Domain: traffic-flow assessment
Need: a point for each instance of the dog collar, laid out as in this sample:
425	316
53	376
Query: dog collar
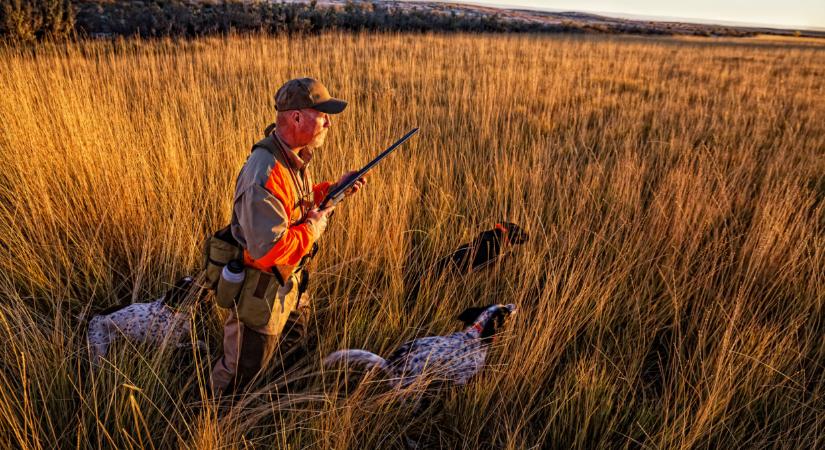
503	230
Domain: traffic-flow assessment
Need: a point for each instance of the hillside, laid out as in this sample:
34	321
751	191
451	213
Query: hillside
107	18
580	20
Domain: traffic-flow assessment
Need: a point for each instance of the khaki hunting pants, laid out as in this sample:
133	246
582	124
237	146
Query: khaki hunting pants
250	351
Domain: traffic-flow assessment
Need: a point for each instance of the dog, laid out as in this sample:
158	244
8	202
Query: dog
168	317
486	249
454	358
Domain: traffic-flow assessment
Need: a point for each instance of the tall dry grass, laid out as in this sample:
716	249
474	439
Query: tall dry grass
671	294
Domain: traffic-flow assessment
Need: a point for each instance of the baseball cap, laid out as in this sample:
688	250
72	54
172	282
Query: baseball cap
307	93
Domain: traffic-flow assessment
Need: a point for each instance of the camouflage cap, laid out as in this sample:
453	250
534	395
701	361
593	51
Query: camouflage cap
303	93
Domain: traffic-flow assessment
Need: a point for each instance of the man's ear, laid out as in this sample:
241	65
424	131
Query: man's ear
469	315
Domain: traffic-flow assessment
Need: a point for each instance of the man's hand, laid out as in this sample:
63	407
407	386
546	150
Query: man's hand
317	220
355	187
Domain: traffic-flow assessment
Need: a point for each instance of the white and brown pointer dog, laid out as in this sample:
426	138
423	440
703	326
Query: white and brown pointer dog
167	319
454	358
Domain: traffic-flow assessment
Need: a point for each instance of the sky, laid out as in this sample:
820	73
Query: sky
780	13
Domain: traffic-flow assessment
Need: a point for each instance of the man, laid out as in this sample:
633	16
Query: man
276	220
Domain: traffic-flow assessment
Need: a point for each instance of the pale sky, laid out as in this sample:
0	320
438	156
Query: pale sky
780	13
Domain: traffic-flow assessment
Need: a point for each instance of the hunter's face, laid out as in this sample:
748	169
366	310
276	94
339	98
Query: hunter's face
312	127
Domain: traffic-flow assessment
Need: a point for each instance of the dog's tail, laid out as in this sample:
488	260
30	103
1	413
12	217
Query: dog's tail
363	358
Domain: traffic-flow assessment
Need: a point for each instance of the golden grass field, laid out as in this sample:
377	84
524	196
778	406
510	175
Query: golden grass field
672	294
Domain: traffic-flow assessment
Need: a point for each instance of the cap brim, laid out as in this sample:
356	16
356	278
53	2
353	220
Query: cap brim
331	106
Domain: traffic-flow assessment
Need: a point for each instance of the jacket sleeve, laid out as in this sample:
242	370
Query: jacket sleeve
320	190
270	241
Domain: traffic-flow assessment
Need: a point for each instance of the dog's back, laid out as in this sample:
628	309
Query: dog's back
141	322
150	322
454	358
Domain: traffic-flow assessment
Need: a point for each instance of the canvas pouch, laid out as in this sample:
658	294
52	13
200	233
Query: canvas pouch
220	248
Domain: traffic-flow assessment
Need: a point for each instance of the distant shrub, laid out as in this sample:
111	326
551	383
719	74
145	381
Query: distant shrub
29	20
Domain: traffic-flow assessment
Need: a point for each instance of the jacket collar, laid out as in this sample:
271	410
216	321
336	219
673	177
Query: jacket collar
297	161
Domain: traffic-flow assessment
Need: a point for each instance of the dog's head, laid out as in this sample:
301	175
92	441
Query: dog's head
491	318
510	233
178	294
187	299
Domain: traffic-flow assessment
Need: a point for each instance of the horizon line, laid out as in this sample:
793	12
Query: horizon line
631	16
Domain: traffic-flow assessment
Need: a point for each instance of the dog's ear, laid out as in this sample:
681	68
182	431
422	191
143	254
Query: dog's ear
469	315
501	317
495	324
492	326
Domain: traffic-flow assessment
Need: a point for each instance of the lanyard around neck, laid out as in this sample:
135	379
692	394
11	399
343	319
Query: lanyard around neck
300	187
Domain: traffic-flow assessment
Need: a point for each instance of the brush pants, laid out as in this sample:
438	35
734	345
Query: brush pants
250	351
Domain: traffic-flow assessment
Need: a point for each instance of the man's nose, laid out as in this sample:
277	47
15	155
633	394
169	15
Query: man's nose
327	122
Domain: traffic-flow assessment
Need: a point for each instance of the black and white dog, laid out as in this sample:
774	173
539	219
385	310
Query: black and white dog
454	358
167	319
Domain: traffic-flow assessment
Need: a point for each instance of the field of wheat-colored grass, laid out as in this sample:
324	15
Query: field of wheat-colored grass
672	293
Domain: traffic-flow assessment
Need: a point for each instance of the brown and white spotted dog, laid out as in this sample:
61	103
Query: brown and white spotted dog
454	358
167	319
